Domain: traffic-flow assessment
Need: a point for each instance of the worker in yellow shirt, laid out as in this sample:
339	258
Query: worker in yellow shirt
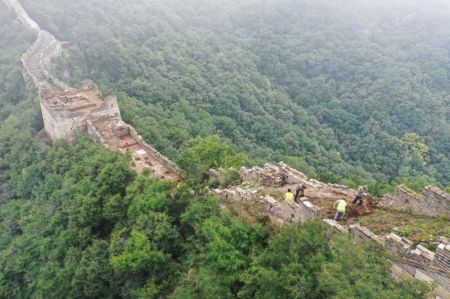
340	205
289	195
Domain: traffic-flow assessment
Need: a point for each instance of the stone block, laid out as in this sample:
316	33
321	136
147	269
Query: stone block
336	225
362	234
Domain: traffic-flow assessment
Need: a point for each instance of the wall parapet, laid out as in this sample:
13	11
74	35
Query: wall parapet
92	130
442	257
279	175
161	158
414	263
362	234
419	255
433	202
281	212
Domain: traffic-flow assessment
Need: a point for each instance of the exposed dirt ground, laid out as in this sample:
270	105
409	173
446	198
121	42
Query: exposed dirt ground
142	158
325	204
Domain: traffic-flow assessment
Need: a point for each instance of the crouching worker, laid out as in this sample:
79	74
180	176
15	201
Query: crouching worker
299	192
340	205
289	195
358	201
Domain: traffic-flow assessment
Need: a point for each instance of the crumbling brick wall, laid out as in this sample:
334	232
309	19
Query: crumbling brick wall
279	175
413	263
95	134
362	234
152	151
442	257
109	108
432	202
60	124
281	212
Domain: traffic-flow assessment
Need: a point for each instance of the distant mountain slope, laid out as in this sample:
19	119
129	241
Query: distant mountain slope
356	89
14	40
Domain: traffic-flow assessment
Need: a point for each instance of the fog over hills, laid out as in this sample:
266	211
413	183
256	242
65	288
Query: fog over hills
346	93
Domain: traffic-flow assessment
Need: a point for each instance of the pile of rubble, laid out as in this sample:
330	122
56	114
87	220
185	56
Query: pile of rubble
260	205
281	177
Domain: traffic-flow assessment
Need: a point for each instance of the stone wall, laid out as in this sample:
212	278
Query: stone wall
432	202
22	15
281	212
418	256
95	134
109	108
152	151
397	244
442	258
25	57
362	234
413	263
58	128
279	175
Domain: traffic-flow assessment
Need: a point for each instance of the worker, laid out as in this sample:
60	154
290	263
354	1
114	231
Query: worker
299	191
358	201
361	189
340	205
289	195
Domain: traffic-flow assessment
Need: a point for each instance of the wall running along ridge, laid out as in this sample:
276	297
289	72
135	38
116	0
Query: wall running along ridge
67	111
279	212
432	202
408	262
411	262
255	180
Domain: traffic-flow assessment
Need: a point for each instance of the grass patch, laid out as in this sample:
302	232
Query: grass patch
414	227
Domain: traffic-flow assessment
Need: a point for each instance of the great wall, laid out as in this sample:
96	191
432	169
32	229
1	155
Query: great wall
67	111
260	195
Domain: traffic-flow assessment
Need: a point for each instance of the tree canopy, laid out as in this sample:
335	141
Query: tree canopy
334	87
213	84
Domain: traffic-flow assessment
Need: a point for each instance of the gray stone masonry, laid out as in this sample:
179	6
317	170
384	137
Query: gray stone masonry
442	258
419	263
432	202
281	212
362	234
336	225
279	175
397	244
160	157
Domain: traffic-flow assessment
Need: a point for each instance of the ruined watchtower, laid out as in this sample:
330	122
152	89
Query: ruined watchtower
66	113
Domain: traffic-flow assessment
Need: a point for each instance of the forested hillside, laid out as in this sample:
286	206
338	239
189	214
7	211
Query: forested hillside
355	90
75	220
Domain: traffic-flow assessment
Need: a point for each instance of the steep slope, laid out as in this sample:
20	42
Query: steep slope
68	112
336	87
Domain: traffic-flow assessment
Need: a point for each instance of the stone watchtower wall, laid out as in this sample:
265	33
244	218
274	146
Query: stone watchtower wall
109	108
61	125
432	202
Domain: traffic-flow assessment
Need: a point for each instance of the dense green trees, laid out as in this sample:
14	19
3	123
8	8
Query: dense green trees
202	154
82	226
75	221
14	39
337	86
